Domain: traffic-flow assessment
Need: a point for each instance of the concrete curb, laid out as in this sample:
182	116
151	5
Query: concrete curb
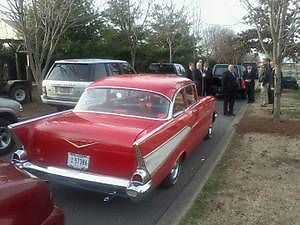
185	200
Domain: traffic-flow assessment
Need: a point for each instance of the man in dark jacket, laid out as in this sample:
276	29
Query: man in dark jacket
249	77
229	89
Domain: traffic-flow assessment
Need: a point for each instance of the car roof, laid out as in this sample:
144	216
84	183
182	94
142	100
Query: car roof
90	61
164	84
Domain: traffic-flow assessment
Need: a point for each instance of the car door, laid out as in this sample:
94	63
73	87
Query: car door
196	115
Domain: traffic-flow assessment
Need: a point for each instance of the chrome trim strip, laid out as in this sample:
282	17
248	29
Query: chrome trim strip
78	175
36	119
58	102
117	114
158	156
137	89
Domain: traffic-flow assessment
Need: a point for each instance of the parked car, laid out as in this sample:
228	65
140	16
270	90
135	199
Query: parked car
10	111
67	79
126	135
25	199
166	68
19	90
217	73
289	82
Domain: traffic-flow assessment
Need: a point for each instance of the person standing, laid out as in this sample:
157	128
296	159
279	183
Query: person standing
208	79
198	78
229	89
191	72
249	77
265	77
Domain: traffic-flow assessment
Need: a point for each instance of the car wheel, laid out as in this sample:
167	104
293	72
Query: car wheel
19	93
6	139
173	175
209	134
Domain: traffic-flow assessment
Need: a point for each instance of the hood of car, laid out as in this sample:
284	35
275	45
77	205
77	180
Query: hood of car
10	105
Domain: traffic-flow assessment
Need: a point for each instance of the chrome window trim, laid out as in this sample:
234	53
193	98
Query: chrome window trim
175	95
36	119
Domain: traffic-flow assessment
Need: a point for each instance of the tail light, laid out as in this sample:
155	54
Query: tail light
44	90
243	84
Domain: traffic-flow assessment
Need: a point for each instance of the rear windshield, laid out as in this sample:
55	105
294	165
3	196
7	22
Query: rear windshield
162	68
220	70
124	101
71	72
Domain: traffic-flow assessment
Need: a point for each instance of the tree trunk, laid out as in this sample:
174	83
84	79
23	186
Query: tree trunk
133	54
277	94
170	54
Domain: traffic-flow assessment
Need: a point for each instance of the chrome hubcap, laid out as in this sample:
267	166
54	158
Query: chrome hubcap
20	95
175	170
210	131
5	138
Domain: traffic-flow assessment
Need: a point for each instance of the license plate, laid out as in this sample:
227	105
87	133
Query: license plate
78	161
64	90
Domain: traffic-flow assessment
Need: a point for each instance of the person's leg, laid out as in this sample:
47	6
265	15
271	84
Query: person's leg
263	93
248	91
225	106
231	103
252	91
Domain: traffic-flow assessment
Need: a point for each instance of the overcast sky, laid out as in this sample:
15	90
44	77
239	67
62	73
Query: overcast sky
227	13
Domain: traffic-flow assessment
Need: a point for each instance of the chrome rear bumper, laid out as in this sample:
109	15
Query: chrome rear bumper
86	180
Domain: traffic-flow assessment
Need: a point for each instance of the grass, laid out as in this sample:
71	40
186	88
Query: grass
296	94
202	204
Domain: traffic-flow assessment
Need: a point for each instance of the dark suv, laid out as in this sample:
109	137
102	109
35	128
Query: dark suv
166	68
67	79
217	73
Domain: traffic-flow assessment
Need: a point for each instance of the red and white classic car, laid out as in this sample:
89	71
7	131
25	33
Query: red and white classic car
25	199
126	135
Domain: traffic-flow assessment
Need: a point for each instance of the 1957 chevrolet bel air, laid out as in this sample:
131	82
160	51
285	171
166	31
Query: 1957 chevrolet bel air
127	135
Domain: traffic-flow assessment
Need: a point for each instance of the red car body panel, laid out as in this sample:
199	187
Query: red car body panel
25	200
117	145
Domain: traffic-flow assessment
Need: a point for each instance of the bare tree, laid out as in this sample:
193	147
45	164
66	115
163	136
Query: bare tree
41	23
170	26
222	44
131	18
282	19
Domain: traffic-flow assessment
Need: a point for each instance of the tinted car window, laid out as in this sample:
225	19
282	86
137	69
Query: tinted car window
220	70
127	69
71	72
190	95
162	68
179	104
100	71
114	68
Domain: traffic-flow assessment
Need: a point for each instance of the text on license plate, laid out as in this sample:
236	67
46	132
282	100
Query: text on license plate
78	161
64	90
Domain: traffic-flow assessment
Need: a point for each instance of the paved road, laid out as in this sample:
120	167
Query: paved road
88	208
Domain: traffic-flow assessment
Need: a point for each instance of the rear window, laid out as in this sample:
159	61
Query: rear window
125	102
71	72
162	68
220	70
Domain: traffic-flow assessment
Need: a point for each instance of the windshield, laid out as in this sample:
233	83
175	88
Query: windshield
162	68
71	72
125	102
